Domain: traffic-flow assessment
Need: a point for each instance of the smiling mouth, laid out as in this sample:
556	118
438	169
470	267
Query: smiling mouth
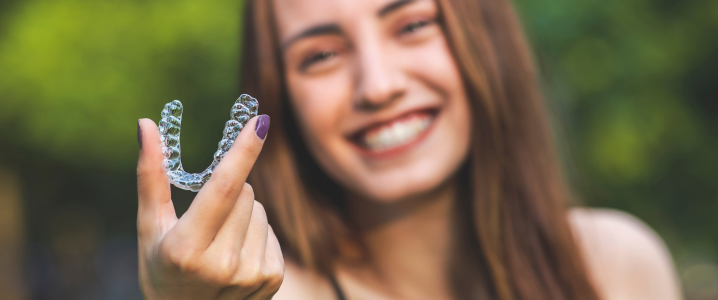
395	135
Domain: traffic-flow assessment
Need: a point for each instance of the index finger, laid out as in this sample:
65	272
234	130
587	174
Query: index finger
215	200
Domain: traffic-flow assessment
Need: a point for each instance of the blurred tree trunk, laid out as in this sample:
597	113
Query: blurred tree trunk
12	238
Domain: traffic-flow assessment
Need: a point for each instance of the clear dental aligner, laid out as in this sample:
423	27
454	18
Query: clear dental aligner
244	109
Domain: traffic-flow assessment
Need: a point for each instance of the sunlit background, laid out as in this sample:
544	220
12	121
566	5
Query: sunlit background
633	85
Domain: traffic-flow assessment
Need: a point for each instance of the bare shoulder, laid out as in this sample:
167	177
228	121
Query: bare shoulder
301	284
626	258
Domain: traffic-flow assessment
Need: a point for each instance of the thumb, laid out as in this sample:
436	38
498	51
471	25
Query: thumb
155	213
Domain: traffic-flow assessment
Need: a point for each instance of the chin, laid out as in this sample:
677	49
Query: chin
404	190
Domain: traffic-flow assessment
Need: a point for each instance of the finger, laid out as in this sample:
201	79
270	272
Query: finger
231	235
209	210
255	242
274	254
274	260
251	260
155	210
273	269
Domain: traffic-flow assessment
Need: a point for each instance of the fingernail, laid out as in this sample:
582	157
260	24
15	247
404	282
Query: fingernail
139	134
262	126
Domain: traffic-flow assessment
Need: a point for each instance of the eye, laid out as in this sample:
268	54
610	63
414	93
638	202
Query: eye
317	57
413	26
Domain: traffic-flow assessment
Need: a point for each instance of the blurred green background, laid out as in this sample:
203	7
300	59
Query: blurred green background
633	85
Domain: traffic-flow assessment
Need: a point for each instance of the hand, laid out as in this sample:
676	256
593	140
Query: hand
222	247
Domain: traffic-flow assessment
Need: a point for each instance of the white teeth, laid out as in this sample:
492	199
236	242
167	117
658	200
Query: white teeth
396	134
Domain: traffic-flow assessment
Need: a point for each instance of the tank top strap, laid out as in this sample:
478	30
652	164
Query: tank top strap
337	288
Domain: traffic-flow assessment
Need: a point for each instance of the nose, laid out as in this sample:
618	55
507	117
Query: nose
380	80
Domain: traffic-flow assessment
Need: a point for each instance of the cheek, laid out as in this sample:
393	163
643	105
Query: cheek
437	69
319	104
439	73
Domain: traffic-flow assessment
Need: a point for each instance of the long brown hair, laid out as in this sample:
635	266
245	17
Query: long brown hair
514	232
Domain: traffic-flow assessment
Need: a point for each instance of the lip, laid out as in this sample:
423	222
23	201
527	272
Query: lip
355	138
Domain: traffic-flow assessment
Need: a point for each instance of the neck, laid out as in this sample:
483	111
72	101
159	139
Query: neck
407	243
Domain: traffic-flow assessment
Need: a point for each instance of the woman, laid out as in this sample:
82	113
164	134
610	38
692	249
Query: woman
409	158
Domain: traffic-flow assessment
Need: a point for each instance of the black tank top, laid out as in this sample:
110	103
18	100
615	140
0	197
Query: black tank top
337	288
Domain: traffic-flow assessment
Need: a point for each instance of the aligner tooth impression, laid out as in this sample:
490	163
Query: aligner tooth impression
243	109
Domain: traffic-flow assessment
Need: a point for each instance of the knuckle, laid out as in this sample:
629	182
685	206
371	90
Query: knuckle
145	170
274	276
275	282
271	280
259	210
226	186
248	190
178	256
216	270
266	276
224	273
249	279
141	171
175	258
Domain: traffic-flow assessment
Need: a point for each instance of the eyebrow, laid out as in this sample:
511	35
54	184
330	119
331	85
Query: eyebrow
332	28
323	29
393	6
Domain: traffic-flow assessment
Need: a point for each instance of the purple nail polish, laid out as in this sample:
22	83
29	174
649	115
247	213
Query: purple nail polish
139	134
262	126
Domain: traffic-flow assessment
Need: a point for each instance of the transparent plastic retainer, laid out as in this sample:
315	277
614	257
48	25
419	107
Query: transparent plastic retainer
244	109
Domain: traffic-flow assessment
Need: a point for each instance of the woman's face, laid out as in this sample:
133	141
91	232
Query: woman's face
376	91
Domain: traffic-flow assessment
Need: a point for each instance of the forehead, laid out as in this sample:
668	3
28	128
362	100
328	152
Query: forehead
295	15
